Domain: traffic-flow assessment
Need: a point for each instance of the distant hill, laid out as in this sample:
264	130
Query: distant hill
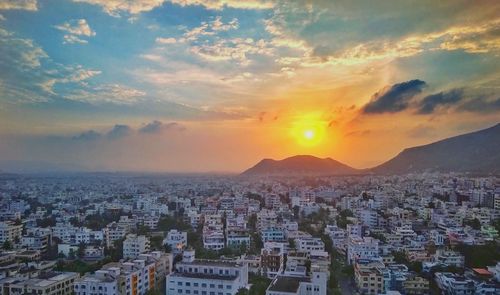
300	165
476	152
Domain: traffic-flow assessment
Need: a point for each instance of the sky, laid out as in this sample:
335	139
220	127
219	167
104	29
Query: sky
217	85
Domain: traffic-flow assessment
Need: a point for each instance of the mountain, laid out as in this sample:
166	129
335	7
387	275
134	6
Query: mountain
476	152
300	165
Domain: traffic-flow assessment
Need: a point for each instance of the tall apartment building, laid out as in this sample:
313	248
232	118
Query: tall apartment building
206	277
135	245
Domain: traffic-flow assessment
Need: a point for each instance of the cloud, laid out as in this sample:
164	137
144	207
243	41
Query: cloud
117	7
76	29
28	74
481	105
166	40
119	131
107	93
429	103
236	49
220	4
89	135
152	127
395	98
30	5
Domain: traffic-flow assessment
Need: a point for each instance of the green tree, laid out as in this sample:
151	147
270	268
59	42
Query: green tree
7	245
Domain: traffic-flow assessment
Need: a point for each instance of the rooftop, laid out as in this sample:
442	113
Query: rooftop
287	284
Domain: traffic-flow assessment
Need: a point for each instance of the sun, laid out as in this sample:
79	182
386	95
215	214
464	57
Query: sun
309	134
308	131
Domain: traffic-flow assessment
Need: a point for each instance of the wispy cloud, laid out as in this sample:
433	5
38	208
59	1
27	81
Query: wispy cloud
30	5
76	29
107	93
118	7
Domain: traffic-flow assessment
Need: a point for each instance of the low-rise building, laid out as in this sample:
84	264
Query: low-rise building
206	277
50	283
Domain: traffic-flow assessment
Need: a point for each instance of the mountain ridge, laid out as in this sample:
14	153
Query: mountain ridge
300	164
475	152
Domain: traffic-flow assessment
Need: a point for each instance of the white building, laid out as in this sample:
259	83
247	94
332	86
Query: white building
362	248
299	285
103	282
135	245
206	277
309	245
176	240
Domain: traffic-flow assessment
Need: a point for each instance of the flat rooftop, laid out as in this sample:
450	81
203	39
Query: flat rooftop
287	284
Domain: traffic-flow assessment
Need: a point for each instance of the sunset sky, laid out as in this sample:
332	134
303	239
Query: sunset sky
217	85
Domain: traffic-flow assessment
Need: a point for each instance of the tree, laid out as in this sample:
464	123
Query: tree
81	250
7	245
474	223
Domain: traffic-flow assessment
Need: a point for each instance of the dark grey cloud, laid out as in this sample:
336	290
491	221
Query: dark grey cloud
395	98
88	136
157	126
481	105
152	127
119	131
445	98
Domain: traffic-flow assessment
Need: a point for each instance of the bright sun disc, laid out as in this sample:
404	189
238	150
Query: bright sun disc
309	134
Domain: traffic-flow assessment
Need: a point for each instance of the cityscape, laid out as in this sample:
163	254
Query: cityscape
249	147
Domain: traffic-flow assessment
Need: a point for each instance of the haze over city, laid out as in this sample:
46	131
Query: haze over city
196	86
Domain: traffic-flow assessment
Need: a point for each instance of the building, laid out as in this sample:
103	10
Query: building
365	248
163	265
114	232
454	284
176	240
309	244
369	277
237	237
299	285
50	283
102	282
10	231
206	277
449	258
416	286
272	234
134	277
135	245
